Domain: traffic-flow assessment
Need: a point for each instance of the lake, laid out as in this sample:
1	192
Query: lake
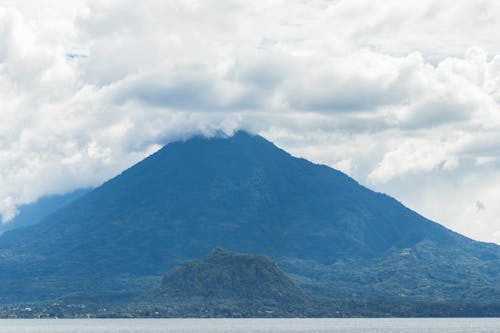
397	325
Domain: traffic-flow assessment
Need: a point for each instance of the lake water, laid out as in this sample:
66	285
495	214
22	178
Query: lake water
426	325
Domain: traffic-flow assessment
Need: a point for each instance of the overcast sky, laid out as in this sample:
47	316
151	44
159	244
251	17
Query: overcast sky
401	95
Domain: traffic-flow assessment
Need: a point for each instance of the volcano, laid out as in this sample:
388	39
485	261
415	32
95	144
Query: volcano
330	234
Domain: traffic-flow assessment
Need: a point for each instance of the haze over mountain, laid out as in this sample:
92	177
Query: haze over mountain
242	193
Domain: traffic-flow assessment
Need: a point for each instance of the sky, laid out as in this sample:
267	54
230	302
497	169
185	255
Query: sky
404	96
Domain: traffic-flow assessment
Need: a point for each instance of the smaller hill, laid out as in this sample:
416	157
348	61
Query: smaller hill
244	284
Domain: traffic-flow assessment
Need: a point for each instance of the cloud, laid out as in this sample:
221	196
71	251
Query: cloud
414	156
402	96
194	88
480	206
8	208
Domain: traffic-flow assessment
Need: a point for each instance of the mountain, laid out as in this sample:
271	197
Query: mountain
33	213
329	233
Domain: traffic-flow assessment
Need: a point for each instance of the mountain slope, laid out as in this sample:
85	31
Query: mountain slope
245	194
35	212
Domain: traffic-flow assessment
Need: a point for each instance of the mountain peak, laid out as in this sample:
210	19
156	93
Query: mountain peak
238	137
199	145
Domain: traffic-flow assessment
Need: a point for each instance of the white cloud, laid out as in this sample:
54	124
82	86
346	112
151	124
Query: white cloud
413	156
404	96
8	208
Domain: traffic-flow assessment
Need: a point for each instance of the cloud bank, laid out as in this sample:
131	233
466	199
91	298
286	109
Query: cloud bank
402	96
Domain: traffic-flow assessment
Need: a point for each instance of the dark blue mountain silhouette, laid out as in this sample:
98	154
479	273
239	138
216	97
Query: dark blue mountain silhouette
243	193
